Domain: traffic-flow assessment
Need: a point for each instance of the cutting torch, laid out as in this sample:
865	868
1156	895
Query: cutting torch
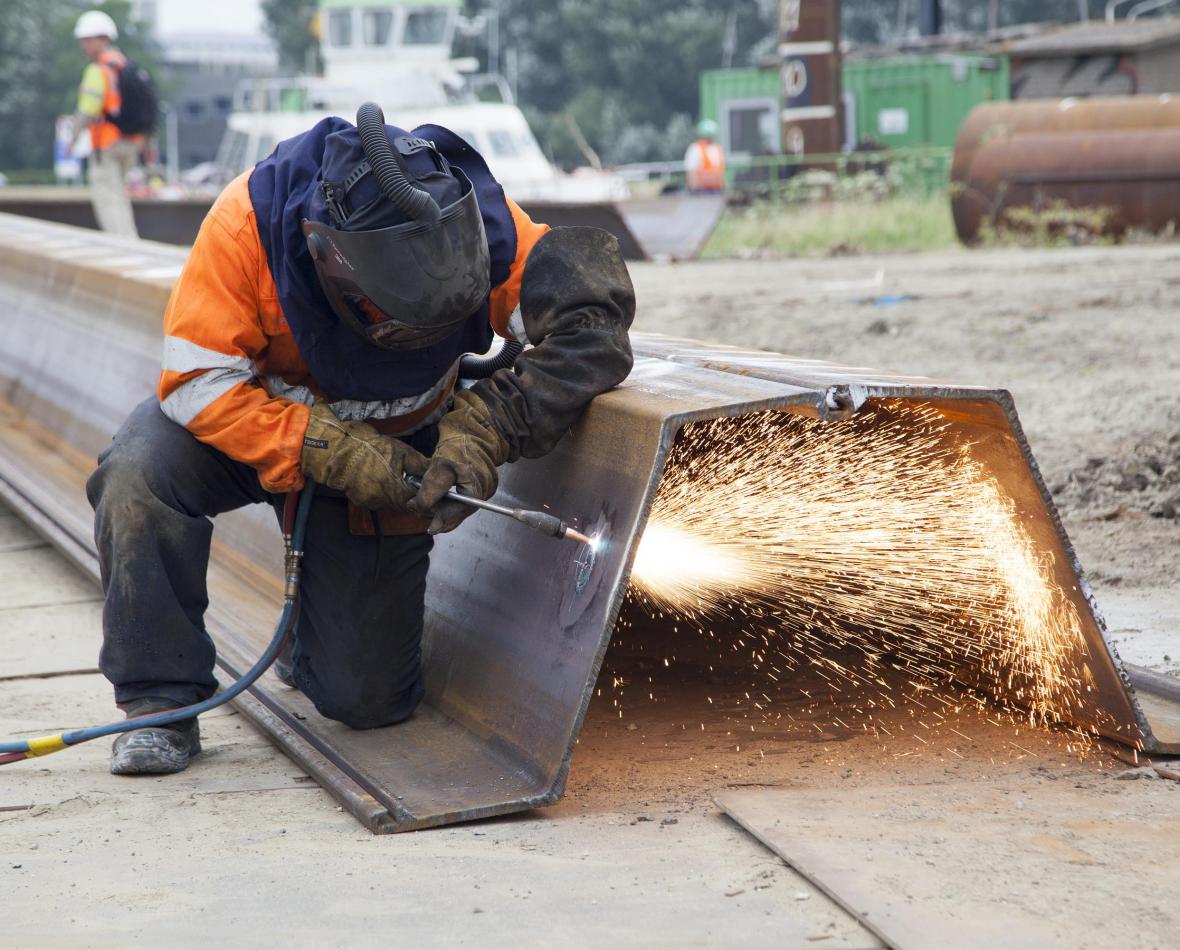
539	521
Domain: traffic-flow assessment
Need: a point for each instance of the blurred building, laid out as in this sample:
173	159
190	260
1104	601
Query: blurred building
206	47
203	69
1098	59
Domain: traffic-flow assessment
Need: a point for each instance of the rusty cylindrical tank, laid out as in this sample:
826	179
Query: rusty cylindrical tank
1120	154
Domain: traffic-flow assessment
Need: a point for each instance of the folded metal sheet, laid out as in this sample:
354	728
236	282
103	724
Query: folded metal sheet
516	627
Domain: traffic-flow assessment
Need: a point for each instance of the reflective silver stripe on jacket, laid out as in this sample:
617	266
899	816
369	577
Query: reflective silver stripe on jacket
353	410
222	372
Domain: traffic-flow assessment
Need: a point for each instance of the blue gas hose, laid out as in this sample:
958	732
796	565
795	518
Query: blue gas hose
294	532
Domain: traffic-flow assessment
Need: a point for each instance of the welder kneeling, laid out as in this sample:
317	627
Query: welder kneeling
316	332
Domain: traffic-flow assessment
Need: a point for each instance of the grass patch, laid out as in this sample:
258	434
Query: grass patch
30	176
823	229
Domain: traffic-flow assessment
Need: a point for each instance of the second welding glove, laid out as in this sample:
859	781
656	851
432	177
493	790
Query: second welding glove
468	452
352	457
576	304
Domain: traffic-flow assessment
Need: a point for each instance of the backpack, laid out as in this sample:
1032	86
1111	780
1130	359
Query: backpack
140	111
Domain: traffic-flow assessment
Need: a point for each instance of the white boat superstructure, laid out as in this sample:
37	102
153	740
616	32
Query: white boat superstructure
399	55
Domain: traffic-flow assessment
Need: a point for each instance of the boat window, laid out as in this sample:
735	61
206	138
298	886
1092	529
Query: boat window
340	27
426	27
233	149
375	25
266	145
503	144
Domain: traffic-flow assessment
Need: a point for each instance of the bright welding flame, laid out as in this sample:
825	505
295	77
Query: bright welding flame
881	533
680	569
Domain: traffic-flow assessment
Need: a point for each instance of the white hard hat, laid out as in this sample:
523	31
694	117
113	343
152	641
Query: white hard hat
95	23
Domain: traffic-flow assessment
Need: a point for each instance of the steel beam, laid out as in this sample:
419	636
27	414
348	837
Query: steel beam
516	630
177	221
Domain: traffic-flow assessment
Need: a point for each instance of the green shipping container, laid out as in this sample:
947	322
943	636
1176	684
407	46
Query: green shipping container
900	101
919	100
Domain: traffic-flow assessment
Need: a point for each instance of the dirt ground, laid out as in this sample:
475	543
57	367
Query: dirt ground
1028	828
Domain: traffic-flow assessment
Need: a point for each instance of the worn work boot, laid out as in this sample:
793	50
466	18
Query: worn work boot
156	750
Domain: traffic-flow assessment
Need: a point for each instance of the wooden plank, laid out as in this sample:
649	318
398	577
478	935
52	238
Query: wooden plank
38	577
1018	862
16	535
50	640
239	759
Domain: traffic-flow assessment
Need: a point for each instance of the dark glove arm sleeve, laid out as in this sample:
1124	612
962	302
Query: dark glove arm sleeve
577	304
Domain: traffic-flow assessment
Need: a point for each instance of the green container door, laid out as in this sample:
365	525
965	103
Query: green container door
920	100
745	104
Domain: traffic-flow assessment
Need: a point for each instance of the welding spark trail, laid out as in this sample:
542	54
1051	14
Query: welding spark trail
881	534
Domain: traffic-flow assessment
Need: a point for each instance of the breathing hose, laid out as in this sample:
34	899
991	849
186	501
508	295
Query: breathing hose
387	167
295	512
481	367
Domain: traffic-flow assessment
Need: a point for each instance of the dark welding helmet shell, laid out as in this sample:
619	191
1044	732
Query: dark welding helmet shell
399	247
410	285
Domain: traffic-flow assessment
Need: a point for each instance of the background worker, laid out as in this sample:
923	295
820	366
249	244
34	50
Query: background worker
114	153
704	161
316	331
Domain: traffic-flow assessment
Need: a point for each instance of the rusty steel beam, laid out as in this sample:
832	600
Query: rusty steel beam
516	628
1116	157
176	221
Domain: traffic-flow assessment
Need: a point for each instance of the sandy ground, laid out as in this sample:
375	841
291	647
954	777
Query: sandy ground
243	848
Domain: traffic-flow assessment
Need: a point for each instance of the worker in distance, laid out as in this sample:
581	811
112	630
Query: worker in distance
117	109
317	331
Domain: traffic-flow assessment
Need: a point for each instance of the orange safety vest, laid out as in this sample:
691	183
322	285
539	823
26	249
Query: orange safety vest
104	133
710	174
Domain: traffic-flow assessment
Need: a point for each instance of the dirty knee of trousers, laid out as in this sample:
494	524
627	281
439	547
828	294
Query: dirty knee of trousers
364	712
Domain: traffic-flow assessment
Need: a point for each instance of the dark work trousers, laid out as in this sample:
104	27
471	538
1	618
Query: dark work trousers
358	646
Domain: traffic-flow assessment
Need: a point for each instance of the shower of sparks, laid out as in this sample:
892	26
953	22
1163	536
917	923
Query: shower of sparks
881	534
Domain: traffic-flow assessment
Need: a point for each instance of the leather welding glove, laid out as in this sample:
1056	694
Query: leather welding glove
468	451
352	457
577	303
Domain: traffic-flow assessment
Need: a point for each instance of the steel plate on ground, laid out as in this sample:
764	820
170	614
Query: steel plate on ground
514	635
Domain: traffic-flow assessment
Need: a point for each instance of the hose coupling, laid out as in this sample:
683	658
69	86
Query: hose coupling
292	561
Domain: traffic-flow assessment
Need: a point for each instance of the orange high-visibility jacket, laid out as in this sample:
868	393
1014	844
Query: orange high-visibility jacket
704	165
99	96
229	354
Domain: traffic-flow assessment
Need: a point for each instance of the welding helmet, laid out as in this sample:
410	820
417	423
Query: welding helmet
402	257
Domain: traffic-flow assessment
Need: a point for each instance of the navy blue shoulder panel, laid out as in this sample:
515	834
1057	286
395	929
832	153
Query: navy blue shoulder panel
283	191
282	187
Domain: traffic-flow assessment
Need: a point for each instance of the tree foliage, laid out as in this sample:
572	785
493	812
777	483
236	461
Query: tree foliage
290	24
41	66
626	71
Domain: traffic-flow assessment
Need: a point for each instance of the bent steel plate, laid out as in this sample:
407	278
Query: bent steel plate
517	626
